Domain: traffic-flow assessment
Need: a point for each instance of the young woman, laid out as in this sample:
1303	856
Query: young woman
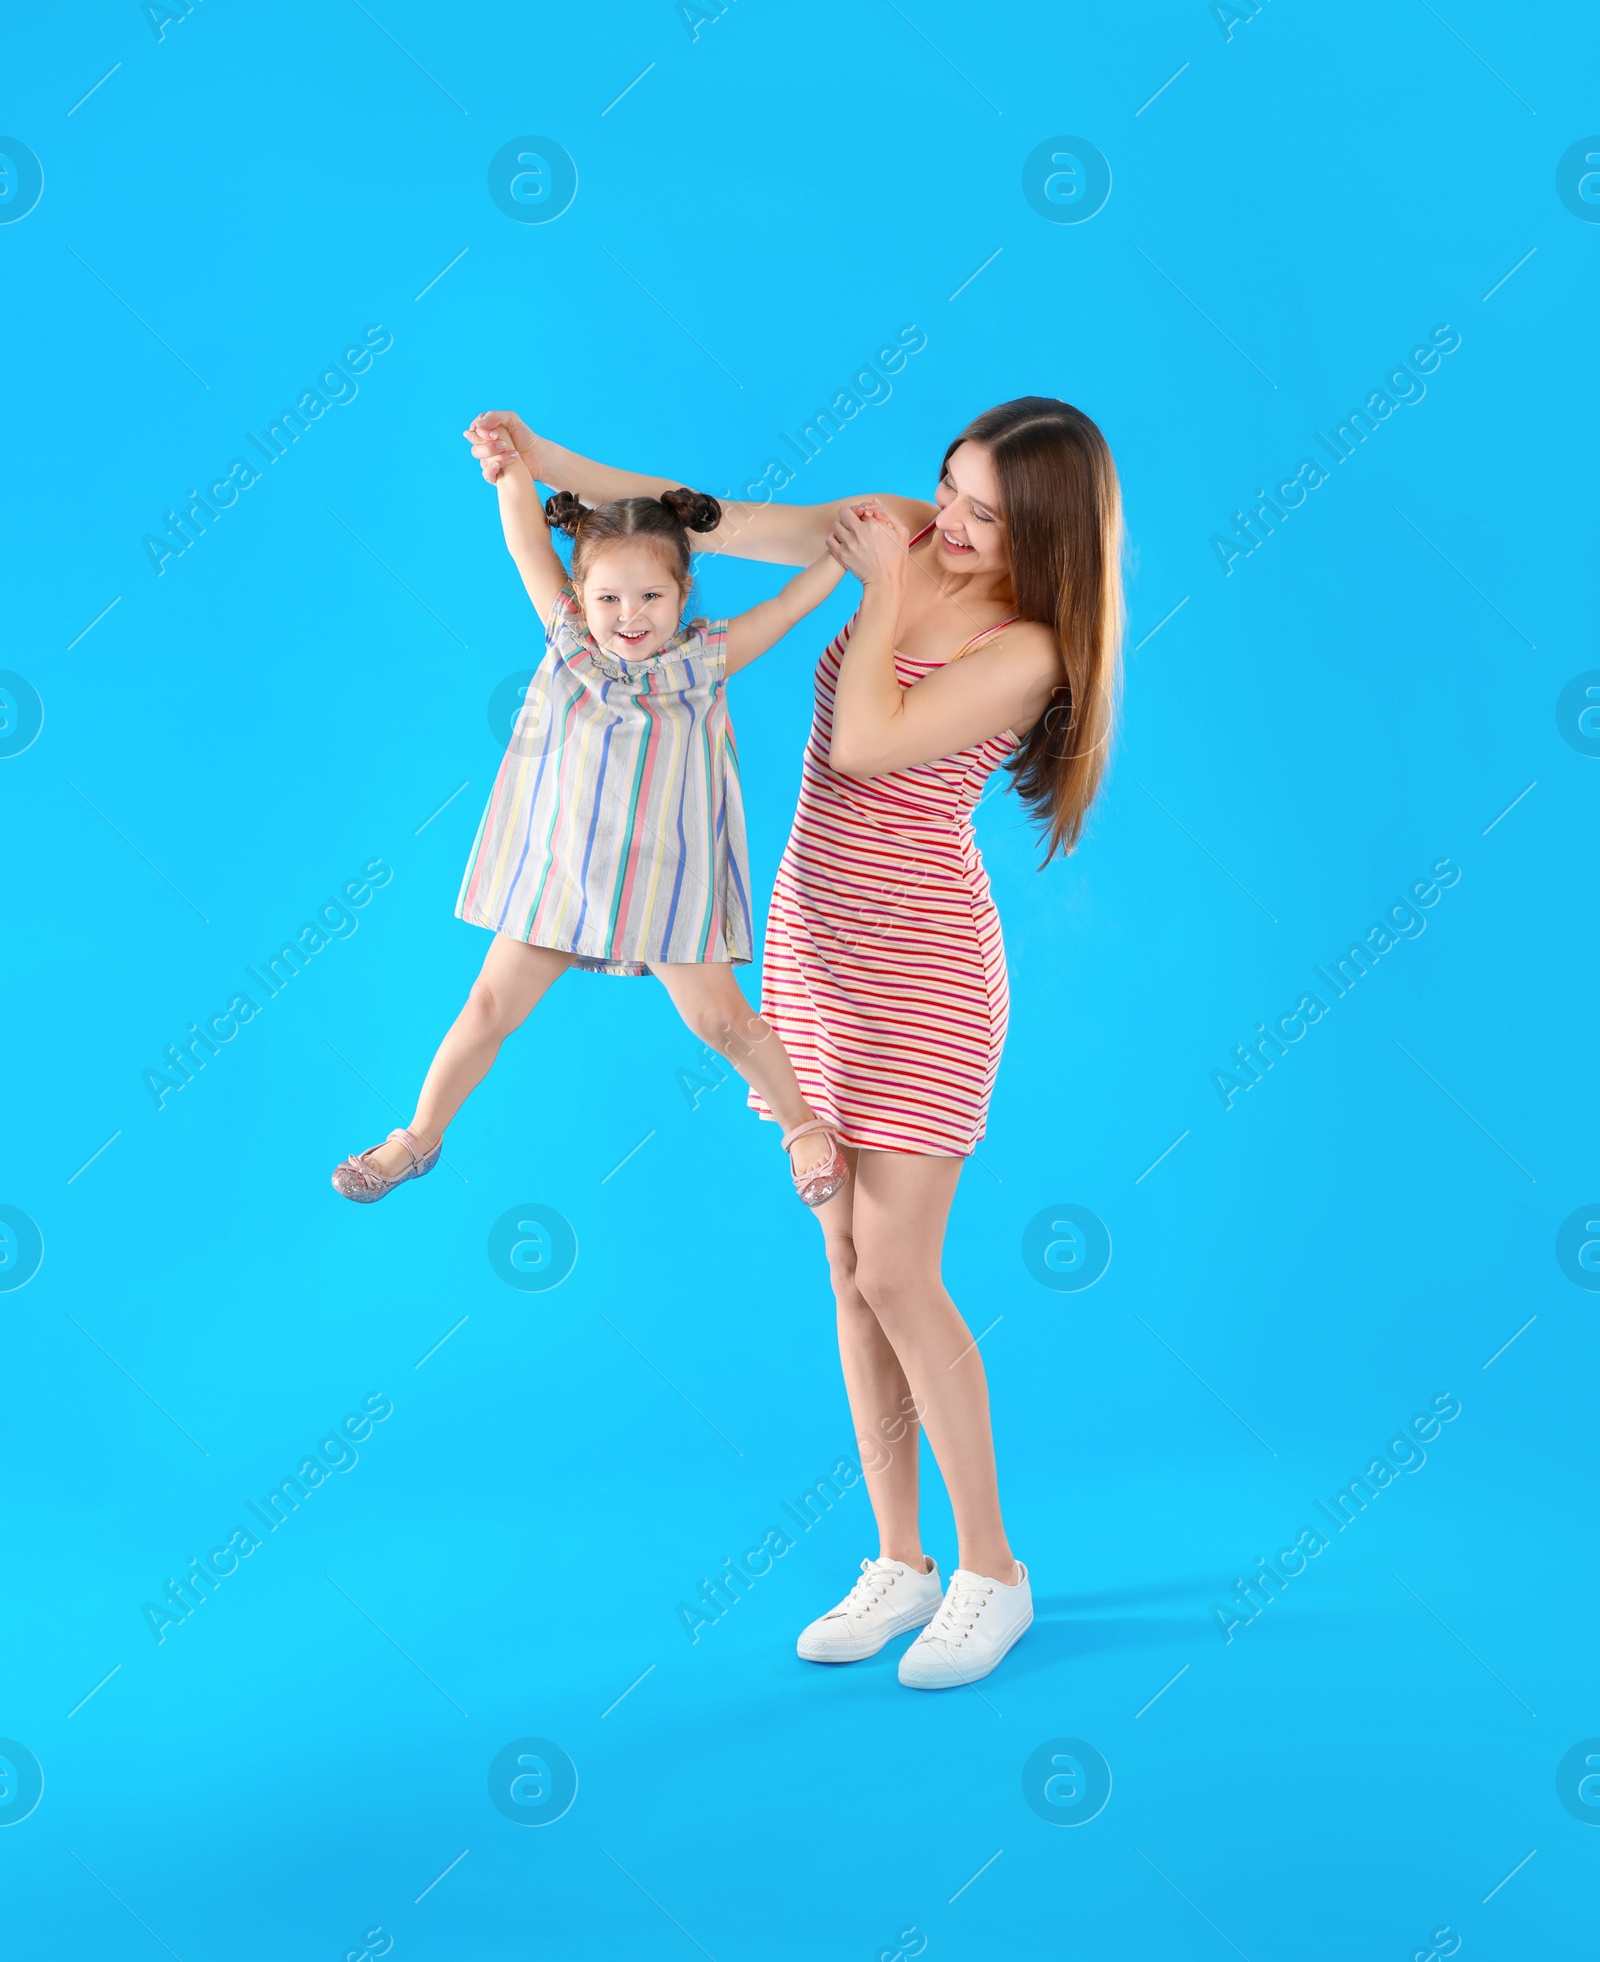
988	633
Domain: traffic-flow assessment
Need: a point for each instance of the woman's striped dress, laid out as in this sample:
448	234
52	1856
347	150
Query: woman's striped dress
615	829
884	972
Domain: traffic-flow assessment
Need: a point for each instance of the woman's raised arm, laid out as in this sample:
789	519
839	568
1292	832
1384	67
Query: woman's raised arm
878	725
781	534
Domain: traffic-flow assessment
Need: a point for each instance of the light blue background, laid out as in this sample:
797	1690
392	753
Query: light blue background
1302	739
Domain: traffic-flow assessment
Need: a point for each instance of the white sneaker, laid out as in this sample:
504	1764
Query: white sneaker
889	1598
977	1626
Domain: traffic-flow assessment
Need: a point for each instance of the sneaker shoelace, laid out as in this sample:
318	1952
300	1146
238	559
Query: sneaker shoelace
869	1590
959	1611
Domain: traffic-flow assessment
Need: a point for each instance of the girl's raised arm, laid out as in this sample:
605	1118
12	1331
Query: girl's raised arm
781	534
527	534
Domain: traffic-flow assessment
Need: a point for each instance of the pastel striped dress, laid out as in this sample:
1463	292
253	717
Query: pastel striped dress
884	973
615	829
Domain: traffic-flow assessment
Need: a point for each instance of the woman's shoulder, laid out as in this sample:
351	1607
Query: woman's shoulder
1025	652
1029	638
915	513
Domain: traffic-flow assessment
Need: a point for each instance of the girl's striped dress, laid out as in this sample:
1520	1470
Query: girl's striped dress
615	829
884	973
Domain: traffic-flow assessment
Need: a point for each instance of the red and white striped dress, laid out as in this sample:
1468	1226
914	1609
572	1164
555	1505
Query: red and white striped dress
884	972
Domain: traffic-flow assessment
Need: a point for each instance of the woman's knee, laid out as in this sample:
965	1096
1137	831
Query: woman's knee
890	1286
841	1250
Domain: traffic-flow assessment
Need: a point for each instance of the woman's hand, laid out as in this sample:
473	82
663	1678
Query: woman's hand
496	455
498	435
870	541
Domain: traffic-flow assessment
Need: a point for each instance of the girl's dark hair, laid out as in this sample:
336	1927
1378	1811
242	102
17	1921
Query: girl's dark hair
1062	510
665	521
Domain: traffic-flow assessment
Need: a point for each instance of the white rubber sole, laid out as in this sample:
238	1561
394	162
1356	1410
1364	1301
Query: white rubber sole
944	1681
821	1650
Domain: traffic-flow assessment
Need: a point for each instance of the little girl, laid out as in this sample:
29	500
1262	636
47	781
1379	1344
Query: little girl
614	835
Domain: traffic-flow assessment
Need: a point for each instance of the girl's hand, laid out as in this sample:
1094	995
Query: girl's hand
498	435
497	462
870	541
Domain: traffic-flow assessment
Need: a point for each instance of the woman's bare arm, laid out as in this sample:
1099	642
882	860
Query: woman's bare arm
879	726
780	534
793	534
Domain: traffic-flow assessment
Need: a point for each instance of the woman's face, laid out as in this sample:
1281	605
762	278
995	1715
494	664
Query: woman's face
969	530
630	600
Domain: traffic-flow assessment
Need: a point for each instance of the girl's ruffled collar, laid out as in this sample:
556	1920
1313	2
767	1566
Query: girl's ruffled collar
617	666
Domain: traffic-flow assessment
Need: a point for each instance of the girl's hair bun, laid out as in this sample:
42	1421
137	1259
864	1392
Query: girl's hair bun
693	509
564	512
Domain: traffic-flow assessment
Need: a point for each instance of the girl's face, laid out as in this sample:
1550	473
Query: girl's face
969	530
630	600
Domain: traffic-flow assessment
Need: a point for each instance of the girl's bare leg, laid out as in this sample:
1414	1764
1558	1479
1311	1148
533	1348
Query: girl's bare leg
900	1336
509	984
713	1005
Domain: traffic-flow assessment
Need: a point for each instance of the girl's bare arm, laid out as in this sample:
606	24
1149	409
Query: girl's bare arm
752	633
527	534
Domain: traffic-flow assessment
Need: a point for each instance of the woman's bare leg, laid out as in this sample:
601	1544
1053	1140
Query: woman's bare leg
509	984
713	1005
881	1404
900	1203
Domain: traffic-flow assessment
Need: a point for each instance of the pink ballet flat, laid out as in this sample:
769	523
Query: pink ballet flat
358	1180
818	1185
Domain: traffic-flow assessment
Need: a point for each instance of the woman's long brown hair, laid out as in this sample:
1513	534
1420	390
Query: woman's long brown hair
1062	509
